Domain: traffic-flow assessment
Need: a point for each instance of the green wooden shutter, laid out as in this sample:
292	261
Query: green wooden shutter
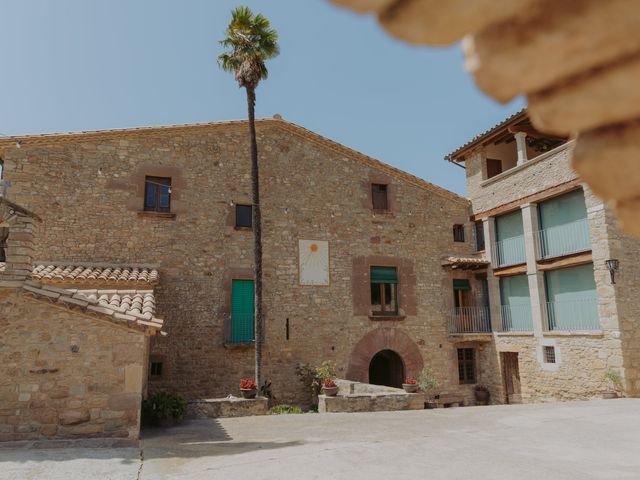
384	275
242	311
461	284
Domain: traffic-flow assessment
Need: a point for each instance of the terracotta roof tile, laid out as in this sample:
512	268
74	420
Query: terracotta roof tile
135	308
76	274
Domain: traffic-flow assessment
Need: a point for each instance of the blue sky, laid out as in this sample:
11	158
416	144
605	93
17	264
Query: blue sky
90	64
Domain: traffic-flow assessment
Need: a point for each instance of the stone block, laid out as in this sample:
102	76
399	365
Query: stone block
604	96
124	401
442	22
133	378
227	407
551	44
374	402
74	417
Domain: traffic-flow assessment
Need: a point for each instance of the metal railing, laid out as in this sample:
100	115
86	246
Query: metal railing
576	315
564	239
509	251
238	329
516	318
470	320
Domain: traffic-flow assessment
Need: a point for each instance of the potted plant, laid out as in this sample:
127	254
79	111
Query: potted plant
482	394
428	383
329	388
163	409
410	385
614	382
248	388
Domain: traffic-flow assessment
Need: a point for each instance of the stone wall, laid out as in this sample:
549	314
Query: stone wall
88	191
66	375
545	171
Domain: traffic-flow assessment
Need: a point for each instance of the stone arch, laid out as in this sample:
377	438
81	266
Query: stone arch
383	339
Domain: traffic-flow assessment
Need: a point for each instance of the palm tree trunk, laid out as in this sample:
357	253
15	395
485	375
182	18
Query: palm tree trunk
257	237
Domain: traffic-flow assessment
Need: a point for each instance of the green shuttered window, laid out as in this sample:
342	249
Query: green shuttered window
461	284
242	311
384	275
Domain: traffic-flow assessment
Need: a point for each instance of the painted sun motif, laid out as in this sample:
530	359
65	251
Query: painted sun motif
314	262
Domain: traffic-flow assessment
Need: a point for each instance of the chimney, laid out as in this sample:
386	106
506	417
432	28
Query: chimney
18	244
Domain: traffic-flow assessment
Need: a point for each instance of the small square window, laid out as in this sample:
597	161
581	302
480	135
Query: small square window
156	369
244	216
157	194
549	354
379	196
458	233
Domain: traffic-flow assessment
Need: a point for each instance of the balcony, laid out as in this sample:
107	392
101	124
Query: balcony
470	320
573	315
509	251
564	239
516	318
238	330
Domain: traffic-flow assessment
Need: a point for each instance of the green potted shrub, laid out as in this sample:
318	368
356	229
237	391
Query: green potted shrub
248	388
428	383
482	394
410	385
163	409
614	384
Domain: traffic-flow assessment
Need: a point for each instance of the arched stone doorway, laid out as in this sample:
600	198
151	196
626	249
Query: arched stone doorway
386	368
384	338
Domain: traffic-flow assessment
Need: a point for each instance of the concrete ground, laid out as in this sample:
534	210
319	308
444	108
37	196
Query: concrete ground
586	440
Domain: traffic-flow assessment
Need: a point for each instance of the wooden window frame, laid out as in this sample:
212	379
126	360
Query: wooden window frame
393	287
237	224
159	182
458	233
463	376
377	191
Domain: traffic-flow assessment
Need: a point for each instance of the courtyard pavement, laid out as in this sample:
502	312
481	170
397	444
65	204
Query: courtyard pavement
576	440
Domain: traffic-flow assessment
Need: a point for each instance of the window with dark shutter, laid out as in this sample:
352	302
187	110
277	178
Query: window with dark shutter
479	229
494	167
243	216
458	233
467	365
379	196
157	194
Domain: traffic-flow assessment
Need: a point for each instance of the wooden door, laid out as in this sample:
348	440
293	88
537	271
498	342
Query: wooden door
511	376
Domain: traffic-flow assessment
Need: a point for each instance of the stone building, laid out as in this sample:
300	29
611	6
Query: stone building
546	300
364	265
352	248
73	342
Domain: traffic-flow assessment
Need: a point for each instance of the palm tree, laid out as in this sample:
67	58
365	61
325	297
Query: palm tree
251	41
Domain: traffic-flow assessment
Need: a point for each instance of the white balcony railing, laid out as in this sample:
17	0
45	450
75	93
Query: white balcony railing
574	315
564	239
516	318
509	251
469	320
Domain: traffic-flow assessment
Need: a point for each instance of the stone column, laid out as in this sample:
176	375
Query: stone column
536	279
493	282
521	145
19	250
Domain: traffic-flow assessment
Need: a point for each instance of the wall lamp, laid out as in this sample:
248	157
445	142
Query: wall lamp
612	266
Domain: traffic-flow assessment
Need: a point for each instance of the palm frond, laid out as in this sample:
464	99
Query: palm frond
249	42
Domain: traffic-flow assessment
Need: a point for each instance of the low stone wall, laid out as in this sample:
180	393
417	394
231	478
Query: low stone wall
374	402
227	407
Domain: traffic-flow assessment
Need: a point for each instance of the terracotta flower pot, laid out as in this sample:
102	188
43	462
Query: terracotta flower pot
330	391
410	387
248	392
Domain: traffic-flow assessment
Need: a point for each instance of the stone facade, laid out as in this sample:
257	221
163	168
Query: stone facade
66	375
89	190
582	357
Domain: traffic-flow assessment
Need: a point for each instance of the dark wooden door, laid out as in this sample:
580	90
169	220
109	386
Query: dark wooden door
511	376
